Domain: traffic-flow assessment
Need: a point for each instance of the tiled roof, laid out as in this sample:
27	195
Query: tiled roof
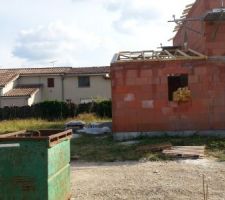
19	92
6	78
89	70
47	70
6	75
56	70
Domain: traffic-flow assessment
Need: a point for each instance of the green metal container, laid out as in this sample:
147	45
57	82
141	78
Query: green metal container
35	165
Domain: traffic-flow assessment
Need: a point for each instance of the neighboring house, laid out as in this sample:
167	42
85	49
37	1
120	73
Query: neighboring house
144	84
27	86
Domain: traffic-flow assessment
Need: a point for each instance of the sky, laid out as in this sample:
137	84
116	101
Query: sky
82	33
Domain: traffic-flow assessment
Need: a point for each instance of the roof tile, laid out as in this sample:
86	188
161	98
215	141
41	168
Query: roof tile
19	92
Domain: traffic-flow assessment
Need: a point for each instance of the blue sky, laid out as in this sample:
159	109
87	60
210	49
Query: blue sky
81	32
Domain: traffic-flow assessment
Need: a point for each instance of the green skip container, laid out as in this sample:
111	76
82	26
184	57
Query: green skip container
35	165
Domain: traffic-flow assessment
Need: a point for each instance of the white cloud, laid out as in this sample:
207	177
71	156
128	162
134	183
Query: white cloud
89	33
132	13
56	42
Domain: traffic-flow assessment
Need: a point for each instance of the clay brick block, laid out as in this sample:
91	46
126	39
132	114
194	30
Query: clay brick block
146	73
167	111
118	75
216	78
164	80
154	80
129	97
142	81
193	79
131	73
219	101
200	71
173	104
148	104
130	81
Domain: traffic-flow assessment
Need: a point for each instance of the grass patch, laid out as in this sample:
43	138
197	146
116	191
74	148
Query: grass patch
91	148
89	117
105	149
8	126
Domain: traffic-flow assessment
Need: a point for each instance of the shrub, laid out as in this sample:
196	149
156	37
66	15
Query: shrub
52	110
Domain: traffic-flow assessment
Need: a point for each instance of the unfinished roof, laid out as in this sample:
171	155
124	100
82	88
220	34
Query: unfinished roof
217	14
166	54
184	15
20	92
6	78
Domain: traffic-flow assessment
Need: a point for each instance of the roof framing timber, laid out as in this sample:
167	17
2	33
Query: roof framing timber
167	53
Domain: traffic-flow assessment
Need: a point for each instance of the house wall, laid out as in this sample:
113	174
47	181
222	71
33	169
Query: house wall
205	42
99	87
46	93
140	96
35	98
14	101
9	86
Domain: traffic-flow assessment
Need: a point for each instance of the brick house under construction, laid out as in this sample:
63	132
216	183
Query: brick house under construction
145	84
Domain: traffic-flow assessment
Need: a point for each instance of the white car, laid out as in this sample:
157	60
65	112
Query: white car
75	125
95	129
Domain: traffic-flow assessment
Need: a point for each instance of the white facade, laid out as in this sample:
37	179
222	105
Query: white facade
53	93
9	86
99	88
14	101
65	88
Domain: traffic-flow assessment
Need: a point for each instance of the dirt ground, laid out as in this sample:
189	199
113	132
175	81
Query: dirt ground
173	180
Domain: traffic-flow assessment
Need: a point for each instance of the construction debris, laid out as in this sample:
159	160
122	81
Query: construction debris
185	152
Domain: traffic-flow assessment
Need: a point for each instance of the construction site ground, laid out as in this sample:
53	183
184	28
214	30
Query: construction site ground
170	180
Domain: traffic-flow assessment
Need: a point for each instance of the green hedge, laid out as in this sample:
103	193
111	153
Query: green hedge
52	110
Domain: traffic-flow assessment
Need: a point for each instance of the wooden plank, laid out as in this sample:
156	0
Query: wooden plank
183	152
190	147
169	54
155	147
189	5
183	54
196	53
186	151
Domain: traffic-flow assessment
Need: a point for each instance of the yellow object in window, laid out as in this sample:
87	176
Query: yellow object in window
182	95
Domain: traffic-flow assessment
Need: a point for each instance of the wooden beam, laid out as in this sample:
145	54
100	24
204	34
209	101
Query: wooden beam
196	53
189	5
182	53
169	54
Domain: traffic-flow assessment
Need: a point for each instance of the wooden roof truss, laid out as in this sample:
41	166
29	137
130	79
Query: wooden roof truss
163	55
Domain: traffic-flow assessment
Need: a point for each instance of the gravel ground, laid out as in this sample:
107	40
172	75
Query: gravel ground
148	180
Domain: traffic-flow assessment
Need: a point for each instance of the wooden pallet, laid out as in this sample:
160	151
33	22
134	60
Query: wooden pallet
185	152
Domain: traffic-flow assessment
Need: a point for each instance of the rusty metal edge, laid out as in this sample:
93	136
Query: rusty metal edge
52	139
12	134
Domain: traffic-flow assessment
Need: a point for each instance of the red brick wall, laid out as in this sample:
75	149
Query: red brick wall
204	43
140	96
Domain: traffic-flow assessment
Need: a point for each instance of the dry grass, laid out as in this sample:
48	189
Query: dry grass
29	124
7	126
88	117
105	149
